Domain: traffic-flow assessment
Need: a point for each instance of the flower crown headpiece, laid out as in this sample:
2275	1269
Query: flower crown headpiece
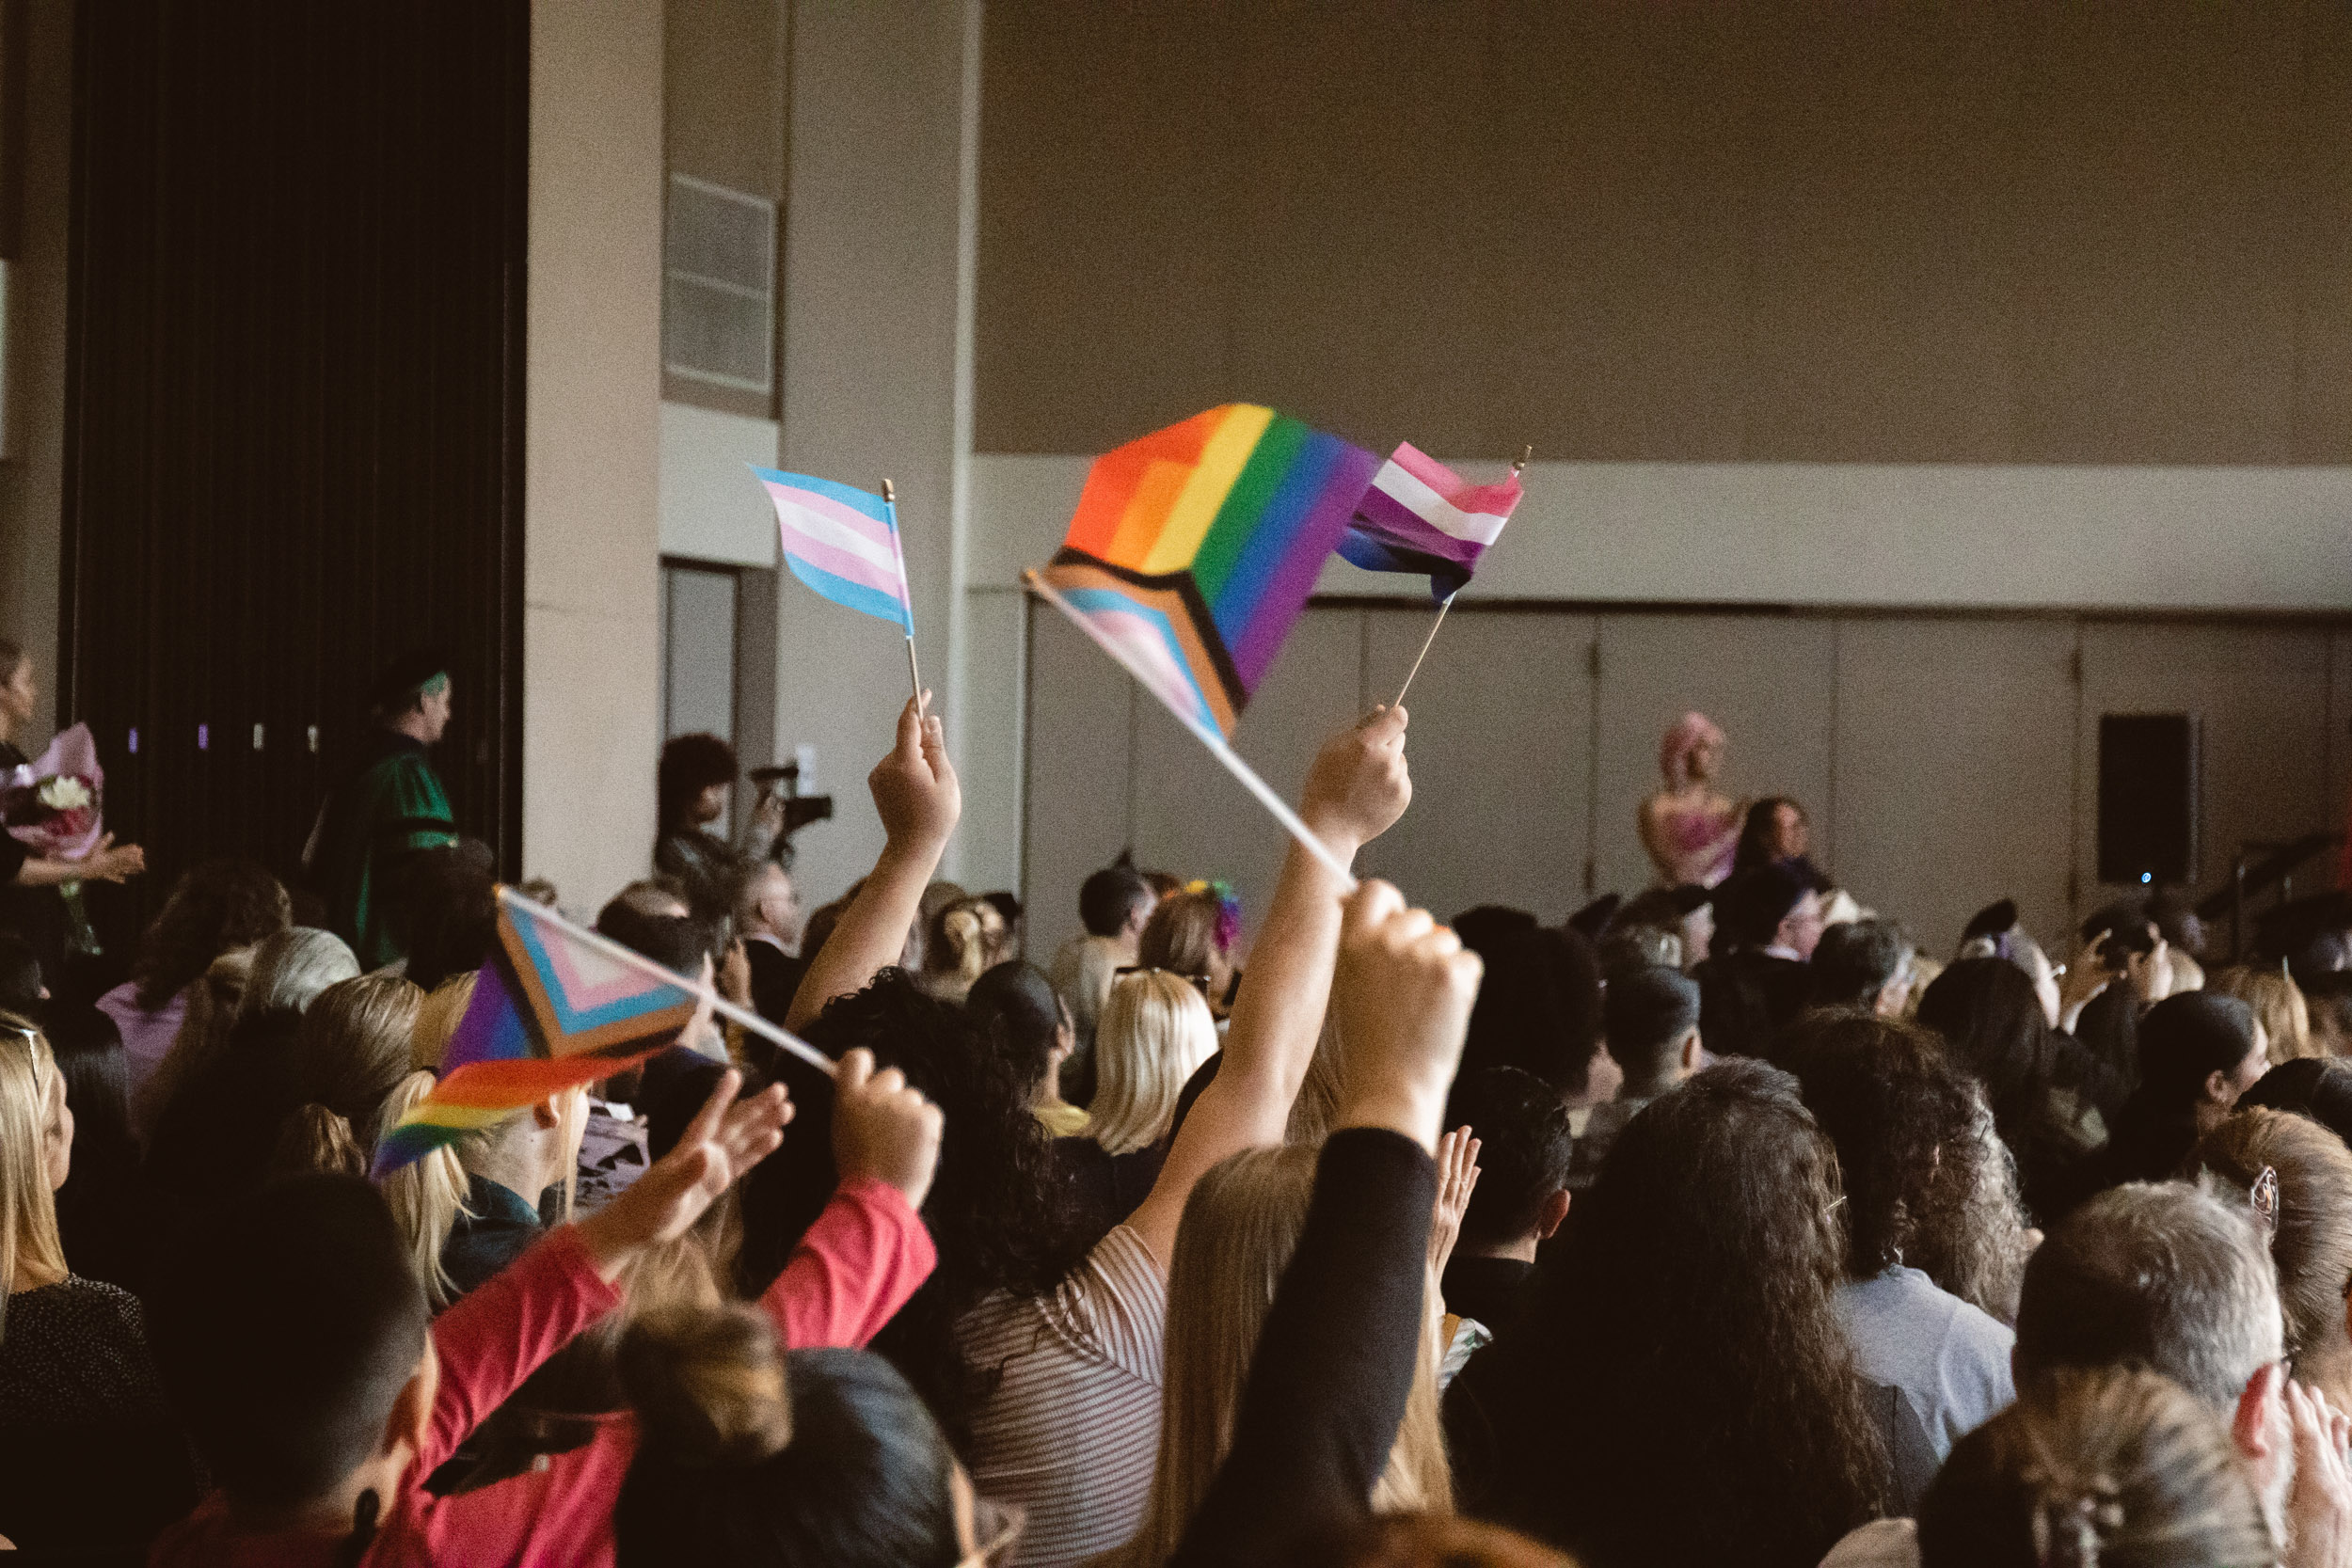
1228	911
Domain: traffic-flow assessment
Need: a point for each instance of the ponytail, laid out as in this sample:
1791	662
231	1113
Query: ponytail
426	1196
313	1140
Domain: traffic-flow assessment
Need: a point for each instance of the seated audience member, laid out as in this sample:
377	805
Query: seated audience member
92	1463
2278	1005
510	1168
1113	906
2036	1079
1651	1018
1767	923
217	907
1864	964
2328	999
1928	1209
2197	1053
1155	1033
694	782
1196	933
763	1460
1521	1195
101	1213
22	989
1539	1006
1706	1258
1013	944
1777	832
768	919
1626	948
294	1339
2317	1088
2116	1465
2307	1204
1066	1426
1022	1025
1341	1363
962	942
453	912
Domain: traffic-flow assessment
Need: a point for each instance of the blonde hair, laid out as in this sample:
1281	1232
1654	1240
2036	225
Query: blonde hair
1240	1228
28	1210
2278	1003
354	1047
438	1017
2310	1235
1154	1031
963	944
426	1196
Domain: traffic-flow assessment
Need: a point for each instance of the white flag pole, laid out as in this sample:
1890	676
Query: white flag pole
597	941
1207	735
1525	453
915	675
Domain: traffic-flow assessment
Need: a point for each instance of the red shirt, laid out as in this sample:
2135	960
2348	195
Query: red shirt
858	1264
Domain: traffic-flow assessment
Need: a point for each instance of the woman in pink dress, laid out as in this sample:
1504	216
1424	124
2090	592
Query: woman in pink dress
1691	829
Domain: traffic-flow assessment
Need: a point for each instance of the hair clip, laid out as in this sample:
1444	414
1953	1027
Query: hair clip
2264	1198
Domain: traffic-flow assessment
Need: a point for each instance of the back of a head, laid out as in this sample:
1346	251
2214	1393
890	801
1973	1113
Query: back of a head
2319	1088
292	968
1419	1541
88	1048
353	1048
452	911
218	905
1855	961
28	1213
2311	1237
2157	1273
1647	1015
1015	1012
2116	1467
1750	907
1108	900
1626	948
863	1481
2278	1002
690	765
1155	1031
21	984
1190	929
676	941
961	940
2185	1039
1992	1021
284	1331
1539	1004
1521	1125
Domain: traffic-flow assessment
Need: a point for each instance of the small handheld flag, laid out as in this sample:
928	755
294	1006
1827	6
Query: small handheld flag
843	543
1194	548
556	1007
1418	517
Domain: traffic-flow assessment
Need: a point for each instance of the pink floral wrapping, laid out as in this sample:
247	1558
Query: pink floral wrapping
54	806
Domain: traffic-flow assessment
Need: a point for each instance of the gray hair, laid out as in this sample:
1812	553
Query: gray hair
2157	1273
292	968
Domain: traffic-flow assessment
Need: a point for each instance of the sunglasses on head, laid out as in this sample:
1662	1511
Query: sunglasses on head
1198	982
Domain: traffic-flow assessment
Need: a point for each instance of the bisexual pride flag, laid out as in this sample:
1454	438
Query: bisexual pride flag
1418	517
1194	549
556	1007
843	543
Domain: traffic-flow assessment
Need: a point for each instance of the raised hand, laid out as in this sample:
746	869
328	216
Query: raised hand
106	863
2319	1506
1457	1178
883	1128
726	1138
914	788
1358	784
1404	994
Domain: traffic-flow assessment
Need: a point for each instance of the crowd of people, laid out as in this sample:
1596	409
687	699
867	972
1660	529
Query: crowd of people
1715	1223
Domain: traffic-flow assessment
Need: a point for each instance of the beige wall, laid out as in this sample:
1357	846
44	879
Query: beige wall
2005	233
592	434
32	478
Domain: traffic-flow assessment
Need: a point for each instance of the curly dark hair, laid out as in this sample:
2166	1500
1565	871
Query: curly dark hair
690	765
215	908
1687	1330
1000	1210
1927	1181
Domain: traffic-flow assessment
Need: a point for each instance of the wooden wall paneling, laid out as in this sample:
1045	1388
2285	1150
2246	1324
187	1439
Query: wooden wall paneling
1190	816
1500	746
1767	680
1955	777
1076	794
295	404
2262	692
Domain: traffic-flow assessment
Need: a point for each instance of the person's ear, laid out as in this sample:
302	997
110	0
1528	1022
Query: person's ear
1693	1052
546	1116
2217	1088
1555	1210
2251	1426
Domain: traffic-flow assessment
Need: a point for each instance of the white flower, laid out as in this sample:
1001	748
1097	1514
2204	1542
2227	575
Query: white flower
64	793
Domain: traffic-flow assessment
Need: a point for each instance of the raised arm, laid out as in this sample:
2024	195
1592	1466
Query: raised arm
916	795
1334	1363
1358	787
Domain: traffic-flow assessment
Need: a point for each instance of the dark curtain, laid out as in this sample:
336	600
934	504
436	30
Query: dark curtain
295	404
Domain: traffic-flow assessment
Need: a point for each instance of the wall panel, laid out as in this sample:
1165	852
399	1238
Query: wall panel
1079	730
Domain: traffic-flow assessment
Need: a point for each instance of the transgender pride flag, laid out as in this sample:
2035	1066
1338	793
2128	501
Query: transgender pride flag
843	543
1418	517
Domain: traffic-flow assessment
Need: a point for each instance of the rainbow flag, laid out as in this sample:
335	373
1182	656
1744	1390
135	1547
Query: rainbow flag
1194	549
842	543
550	1011
1418	517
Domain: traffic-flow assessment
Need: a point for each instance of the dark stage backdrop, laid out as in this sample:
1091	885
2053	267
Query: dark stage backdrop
294	406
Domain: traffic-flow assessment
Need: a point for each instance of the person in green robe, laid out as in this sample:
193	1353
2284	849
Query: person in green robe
388	809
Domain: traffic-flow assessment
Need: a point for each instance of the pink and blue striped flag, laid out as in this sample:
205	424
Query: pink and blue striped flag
843	543
1418	517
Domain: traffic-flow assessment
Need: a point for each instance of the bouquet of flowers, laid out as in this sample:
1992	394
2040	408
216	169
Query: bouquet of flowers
52	807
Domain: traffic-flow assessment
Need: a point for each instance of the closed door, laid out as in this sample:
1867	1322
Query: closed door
1766	680
1500	747
1956	770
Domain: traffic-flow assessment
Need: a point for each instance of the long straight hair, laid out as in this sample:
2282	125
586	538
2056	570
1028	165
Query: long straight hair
1240	1228
28	1210
1156	1029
